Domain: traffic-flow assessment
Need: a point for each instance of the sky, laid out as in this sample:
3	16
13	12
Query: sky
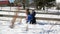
11	1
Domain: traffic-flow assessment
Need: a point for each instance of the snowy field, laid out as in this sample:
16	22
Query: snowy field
42	26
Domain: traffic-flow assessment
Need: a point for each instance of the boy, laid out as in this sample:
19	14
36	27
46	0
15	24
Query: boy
33	21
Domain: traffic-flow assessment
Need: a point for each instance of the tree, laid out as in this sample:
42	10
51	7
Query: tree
17	1
39	3
42	3
23	2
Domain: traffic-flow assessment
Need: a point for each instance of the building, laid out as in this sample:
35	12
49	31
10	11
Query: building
4	2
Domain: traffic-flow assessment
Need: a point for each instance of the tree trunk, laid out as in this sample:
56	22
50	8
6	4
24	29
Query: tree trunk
23	5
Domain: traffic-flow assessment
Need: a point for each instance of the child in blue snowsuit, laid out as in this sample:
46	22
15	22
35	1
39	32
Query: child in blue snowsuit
29	18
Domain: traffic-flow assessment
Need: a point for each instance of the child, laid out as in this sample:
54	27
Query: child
28	18
33	21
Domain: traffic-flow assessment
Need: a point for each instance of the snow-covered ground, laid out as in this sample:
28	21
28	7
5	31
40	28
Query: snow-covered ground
42	26
32	29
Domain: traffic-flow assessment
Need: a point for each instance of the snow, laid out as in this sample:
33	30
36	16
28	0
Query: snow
57	1
33	29
42	26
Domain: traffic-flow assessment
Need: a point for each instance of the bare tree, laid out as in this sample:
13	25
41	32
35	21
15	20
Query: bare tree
42	3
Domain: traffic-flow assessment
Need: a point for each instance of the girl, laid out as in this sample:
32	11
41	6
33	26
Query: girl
28	18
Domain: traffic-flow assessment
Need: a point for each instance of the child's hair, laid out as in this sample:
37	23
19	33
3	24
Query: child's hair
27	11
